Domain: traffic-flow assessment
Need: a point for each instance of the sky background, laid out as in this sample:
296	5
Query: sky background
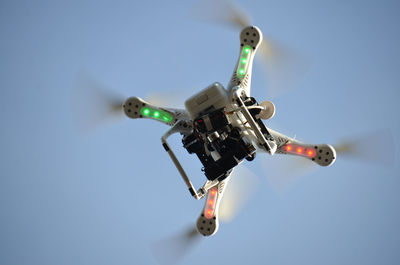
105	196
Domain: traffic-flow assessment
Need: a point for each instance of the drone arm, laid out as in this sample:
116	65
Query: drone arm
322	154
208	221
136	107
250	39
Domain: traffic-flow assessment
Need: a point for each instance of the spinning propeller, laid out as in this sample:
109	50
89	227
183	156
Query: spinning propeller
373	148
240	188
172	249
94	103
284	67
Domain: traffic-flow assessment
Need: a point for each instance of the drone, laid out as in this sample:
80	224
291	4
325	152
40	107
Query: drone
223	126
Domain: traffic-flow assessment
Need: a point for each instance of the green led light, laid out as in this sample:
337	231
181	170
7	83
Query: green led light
167	118
158	114
244	61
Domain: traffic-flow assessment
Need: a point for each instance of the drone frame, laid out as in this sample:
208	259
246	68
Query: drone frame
243	112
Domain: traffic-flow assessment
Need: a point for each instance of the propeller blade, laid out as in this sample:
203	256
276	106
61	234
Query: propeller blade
377	147
241	186
171	99
221	12
282	170
172	249
372	147
284	67
94	103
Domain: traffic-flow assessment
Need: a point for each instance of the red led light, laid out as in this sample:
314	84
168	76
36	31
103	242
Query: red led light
299	150
311	153
211	201
209	213
289	148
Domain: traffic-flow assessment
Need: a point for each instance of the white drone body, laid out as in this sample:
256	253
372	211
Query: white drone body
223	126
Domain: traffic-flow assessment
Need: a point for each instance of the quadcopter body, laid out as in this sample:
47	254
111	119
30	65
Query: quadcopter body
222	126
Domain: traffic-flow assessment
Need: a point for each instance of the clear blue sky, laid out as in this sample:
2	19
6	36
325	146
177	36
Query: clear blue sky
104	197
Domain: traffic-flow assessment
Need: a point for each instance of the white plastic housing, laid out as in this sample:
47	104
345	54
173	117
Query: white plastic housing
212	97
